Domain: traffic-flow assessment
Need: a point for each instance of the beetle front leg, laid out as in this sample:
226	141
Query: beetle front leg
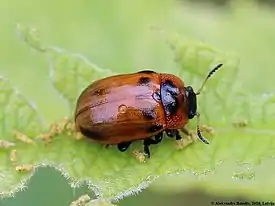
186	132
181	143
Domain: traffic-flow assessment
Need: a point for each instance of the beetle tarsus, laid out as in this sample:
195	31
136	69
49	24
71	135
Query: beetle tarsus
147	150
123	146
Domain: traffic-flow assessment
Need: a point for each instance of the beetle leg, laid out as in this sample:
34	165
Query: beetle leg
178	136
158	138
123	146
171	132
186	141
185	131
148	142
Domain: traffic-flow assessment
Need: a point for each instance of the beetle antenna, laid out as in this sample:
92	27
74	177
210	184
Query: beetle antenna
208	76
202	138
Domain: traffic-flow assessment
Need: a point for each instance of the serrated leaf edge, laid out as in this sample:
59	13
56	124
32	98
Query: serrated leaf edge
72	54
32	104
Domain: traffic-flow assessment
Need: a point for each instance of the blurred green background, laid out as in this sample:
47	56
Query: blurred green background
119	35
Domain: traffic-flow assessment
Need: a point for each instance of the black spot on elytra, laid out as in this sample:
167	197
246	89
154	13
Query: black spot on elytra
149	114
154	128
144	80
147	71
90	133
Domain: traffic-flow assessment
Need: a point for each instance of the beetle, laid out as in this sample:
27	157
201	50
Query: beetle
120	109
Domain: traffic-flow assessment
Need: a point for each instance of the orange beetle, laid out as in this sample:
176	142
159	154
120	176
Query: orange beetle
124	108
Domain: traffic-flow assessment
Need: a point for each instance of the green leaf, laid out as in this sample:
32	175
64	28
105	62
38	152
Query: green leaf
112	174
254	182
85	200
17	114
99	202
